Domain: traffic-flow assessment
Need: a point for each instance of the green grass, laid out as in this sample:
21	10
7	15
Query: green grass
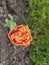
38	19
1	64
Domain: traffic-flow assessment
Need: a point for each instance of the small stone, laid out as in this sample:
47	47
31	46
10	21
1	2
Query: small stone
4	15
1	11
27	61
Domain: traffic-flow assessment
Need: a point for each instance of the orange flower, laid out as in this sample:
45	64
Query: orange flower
20	36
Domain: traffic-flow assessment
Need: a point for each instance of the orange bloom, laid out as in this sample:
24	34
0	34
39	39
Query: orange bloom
20	36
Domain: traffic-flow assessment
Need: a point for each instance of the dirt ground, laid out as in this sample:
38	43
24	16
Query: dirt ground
7	57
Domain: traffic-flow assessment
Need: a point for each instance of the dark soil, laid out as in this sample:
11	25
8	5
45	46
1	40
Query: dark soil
7	56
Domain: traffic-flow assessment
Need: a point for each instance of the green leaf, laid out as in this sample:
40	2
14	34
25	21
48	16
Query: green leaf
15	49
1	63
7	23
11	17
10	23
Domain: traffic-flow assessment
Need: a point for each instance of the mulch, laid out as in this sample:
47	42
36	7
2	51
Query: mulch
7	55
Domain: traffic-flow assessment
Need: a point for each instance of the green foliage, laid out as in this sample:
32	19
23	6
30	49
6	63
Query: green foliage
10	22
1	63
15	49
38	19
11	17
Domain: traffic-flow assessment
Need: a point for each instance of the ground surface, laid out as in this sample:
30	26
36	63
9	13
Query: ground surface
7	56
